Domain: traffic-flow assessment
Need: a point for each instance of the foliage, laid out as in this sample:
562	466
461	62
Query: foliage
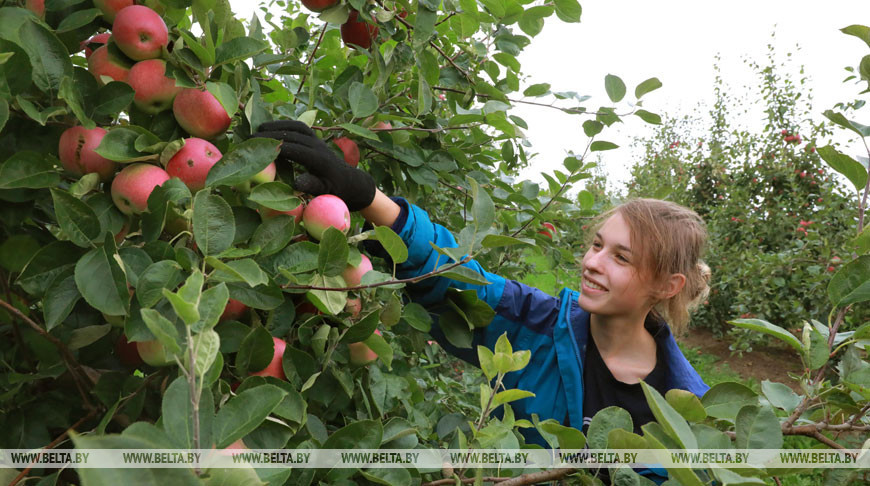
80	278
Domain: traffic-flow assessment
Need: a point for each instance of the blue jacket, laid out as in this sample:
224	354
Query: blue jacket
554	329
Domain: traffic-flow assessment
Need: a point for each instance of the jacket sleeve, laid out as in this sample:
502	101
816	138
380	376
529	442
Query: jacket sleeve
526	314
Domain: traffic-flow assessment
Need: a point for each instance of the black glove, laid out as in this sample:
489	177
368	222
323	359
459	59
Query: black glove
327	173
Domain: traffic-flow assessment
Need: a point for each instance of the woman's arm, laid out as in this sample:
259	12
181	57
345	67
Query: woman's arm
382	211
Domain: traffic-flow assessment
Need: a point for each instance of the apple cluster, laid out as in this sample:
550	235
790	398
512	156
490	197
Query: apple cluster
355	31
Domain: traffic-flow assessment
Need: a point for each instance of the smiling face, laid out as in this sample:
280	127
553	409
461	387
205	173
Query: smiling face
613	284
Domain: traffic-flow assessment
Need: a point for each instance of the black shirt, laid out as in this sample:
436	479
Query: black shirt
602	390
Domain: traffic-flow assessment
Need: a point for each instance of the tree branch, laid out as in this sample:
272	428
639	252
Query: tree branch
538	477
445	482
72	365
408	129
310	60
416	279
570	111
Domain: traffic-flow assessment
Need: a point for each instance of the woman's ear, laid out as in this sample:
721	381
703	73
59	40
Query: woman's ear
673	285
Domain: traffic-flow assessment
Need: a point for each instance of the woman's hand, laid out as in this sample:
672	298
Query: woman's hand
327	173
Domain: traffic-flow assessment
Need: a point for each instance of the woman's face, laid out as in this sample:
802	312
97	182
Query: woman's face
612	284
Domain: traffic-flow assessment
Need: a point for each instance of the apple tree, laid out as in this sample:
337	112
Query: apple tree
165	287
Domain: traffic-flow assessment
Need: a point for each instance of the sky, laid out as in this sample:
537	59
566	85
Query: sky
675	41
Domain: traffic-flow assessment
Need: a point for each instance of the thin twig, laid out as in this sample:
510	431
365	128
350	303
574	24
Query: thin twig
52	444
559	192
538	477
572	111
433	273
310	60
72	365
445	482
408	129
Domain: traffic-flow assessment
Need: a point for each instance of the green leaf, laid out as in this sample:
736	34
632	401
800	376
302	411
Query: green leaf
537	89
120	145
532	22
849	167
49	262
499	241
687	404
508	396
49	58
265	297
255	352
225	95
100	476
30	170
238	49
361	330
656	438
102	282
244	270
615	88
78	19
211	306
360	131
726	399
332	254
59	301
243	162
841	120
758	427
162	329
417	317
165	274
76	218
185	303
177	415
424	27
604	422
72	95
670	420
213	223
483	209
485	357
85	336
273	235
245	412
851	284
567	437
463	274
648	117
204	54
392	243
780	395
592	128
645	87
601	146
768	328
275	195
206	347
860	31
112	99
4	113
363	101
568	10
329	301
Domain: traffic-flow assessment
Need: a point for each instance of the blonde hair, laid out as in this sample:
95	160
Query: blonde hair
671	239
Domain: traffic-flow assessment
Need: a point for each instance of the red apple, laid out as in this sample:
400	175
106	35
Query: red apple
127	352
192	163
381	125
265	175
110	8
295	212
275	368
353	275
350	150
361	354
358	32
133	185
318	5
36	6
200	114
153	353
323	212
90	44
140	32
154	90
103	63
233	311
76	152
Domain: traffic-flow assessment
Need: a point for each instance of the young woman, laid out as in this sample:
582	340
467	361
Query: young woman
589	349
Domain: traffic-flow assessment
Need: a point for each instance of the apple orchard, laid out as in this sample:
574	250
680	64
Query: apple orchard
165	287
